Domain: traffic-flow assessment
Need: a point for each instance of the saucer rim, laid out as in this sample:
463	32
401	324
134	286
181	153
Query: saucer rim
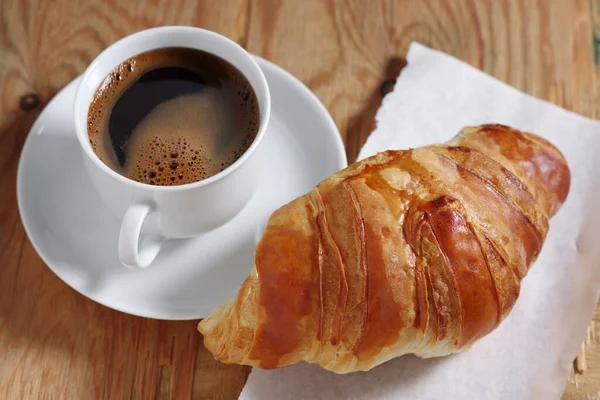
297	84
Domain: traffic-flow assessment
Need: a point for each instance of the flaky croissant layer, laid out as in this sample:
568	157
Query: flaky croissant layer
419	251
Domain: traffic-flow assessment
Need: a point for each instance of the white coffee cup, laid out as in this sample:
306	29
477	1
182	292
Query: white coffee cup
150	214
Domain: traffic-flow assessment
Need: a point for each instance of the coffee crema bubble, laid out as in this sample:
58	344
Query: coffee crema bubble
173	116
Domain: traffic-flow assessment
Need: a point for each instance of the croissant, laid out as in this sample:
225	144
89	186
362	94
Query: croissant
415	251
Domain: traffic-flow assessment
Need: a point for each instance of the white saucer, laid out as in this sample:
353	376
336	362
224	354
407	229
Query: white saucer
78	239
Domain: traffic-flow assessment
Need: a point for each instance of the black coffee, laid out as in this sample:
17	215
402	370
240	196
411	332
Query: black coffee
172	116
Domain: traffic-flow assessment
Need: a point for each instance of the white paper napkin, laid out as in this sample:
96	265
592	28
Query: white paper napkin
530	355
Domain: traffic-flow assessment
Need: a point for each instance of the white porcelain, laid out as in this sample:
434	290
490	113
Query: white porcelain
76	234
170	211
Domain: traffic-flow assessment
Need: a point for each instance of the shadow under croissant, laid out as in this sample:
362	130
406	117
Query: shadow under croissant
310	379
363	123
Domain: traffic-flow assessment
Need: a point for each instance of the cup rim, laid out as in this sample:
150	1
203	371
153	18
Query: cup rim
83	137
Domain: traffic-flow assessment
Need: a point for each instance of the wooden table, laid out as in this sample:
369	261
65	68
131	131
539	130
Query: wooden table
54	343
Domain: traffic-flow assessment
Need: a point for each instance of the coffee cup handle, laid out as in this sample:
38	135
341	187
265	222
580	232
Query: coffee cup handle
133	252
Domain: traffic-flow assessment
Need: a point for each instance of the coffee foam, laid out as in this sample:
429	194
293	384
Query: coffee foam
183	151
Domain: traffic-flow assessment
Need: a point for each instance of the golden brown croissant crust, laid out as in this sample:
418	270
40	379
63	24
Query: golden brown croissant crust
418	251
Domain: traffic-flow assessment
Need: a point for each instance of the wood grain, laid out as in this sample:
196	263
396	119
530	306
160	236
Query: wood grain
54	343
